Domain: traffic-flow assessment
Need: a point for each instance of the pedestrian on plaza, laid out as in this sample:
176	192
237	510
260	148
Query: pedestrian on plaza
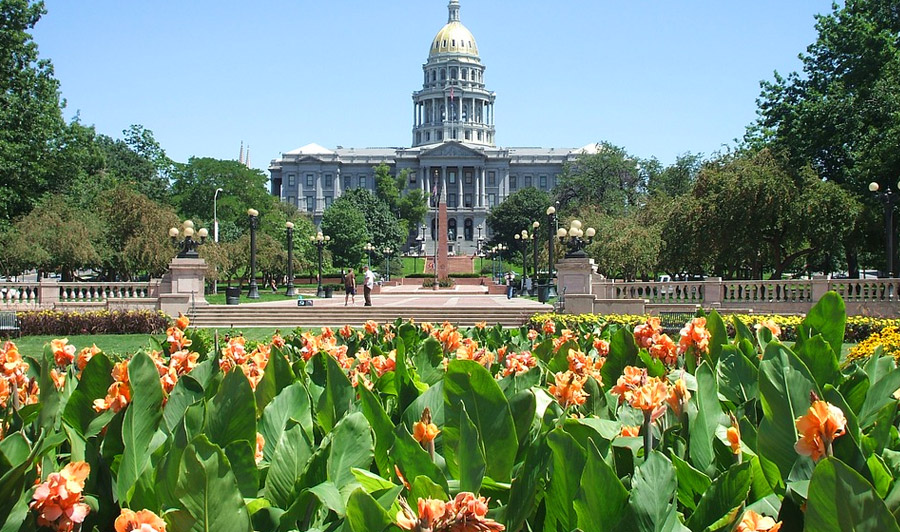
350	287
368	283
509	284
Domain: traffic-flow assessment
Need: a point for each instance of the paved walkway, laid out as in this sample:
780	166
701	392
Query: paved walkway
406	296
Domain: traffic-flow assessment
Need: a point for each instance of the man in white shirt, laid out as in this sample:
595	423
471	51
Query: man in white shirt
368	283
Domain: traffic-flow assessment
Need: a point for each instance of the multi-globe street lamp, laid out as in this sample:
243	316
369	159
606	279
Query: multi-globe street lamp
254	225
369	249
216	216
551	223
889	198
319	240
575	239
387	260
289	227
187	246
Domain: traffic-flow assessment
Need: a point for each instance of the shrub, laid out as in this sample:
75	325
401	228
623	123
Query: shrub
56	322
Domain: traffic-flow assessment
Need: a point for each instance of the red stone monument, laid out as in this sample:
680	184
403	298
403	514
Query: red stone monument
443	267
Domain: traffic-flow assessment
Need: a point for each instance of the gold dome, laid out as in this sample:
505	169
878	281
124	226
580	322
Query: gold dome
454	38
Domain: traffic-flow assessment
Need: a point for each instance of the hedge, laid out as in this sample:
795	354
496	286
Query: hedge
56	322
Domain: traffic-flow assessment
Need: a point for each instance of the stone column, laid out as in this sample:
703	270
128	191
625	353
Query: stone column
819	287
182	287
575	276
459	188
712	292
320	193
48	292
337	184
442	267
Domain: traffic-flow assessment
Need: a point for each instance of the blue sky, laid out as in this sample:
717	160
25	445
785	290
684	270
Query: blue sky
658	78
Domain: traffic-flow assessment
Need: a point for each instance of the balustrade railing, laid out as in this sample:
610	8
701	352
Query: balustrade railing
100	292
866	289
791	291
19	293
687	292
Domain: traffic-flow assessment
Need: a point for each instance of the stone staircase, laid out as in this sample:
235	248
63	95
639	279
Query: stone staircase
310	317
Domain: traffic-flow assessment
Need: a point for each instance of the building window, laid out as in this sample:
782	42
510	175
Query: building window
310	203
452	178
468	135
291	180
291	200
427	136
512	182
467	229
412	178
492	200
440	135
444	71
479	135
418	137
310	179
346	182
492	178
468	178
528	181
362	181
329	181
543	182
468	200
328	200
451	200
451	229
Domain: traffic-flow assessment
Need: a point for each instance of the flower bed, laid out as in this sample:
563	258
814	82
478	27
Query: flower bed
62	323
425	427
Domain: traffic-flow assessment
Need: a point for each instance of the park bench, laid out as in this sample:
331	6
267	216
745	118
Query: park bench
672	322
9	324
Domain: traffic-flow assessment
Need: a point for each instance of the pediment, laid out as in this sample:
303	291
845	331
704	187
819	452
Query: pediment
452	149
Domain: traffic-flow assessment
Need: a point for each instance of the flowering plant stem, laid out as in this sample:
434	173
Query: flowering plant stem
647	430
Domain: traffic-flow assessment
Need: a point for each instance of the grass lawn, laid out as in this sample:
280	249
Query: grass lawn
264	296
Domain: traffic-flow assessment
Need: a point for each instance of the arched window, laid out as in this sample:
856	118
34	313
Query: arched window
467	229
443	74
451	229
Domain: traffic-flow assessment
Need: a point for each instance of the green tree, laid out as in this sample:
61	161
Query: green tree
382	226
676	179
516	213
345	223
31	124
139	161
610	179
410	208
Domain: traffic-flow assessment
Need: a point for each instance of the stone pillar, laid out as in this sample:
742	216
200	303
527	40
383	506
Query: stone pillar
443	264
48	293
459	188
337	184
183	286
575	276
712	292
320	193
819	287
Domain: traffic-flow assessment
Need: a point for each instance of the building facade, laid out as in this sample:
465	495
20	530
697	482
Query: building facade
453	149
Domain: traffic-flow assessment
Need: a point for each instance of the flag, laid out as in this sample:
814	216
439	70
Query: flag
451	94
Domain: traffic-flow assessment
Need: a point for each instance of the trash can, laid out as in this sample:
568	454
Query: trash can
543	293
233	295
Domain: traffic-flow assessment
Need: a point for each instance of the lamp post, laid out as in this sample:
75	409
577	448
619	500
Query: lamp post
889	198
188	246
254	224
369	249
500	249
575	239
290	259
534	246
216	217
387	260
319	240
551	222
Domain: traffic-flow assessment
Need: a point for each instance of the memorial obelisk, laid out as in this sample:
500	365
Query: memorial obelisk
443	264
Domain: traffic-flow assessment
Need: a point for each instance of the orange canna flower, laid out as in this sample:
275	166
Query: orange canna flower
694	335
531	335
427	327
277	340
602	347
449	337
818	428
63	352
568	389
346	332
5	393
234	353
58	378
734	436
383	364
141	521
85	356
664	349
632	431
117	397
59	500
649	396
564	336
423	433
646	333
182	322
771	325
260	445
371	327
481	325
548	327
518	363
678	397
631	378
753	522
183	361
177	340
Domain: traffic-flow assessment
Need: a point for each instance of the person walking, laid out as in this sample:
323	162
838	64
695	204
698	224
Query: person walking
509	285
368	283
350	287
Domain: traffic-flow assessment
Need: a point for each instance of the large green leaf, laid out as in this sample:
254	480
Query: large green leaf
413	460
50	397
623	352
468	382
287	465
231	415
382	426
470	454
208	490
291	404
365	514
720	503
718	335
278	376
841	499
784	386
879	395
94	382
142	419
652	495
601	502
351	447
569	460
707	418
821	360
827	317
187	392
525	486
738	376
338	397
692	484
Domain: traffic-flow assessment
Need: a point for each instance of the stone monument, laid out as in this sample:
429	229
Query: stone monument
442	267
